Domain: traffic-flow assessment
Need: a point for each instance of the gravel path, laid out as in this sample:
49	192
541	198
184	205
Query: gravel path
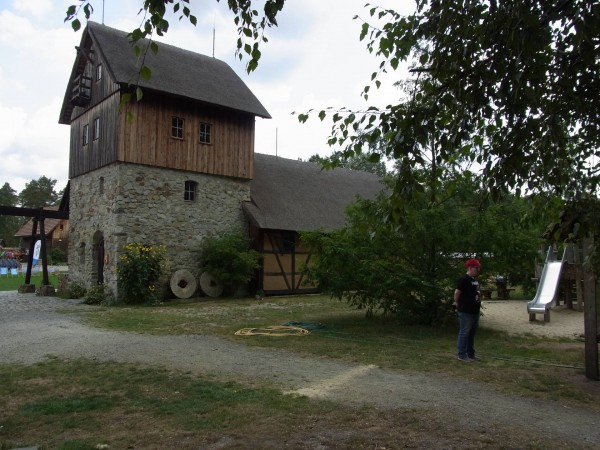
31	329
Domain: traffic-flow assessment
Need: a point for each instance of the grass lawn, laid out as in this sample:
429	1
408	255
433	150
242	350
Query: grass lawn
83	404
525	365
12	283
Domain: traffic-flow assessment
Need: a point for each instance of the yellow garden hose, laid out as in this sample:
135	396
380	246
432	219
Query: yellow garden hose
274	330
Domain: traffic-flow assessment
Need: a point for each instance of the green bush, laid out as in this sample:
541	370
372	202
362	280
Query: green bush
57	256
138	270
75	290
229	259
98	295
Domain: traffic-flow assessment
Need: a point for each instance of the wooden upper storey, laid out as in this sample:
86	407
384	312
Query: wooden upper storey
196	113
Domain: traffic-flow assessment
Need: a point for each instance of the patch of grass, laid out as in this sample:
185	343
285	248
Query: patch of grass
12	283
524	365
84	405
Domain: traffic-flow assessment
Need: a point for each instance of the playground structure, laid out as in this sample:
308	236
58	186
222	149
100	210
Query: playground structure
558	280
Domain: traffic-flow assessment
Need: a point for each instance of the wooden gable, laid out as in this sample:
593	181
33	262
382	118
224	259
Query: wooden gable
197	89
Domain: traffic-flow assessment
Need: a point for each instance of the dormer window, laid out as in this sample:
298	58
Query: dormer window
205	133
98	72
177	127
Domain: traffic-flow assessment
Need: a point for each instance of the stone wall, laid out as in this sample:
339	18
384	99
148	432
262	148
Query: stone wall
123	203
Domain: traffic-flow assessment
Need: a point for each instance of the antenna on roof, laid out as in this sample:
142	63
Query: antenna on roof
276	135
102	12
214	26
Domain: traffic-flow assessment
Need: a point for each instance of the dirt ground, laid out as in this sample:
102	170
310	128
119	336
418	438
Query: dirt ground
511	316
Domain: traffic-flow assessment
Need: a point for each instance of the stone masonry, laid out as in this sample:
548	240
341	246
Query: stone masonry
123	203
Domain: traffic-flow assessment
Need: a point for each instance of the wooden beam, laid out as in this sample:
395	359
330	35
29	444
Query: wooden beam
37	213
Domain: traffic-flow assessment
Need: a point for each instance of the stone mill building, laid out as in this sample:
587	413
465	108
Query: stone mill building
180	165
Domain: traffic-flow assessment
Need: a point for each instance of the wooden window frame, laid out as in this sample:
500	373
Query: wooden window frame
97	128
177	124
205	133
99	72
190	190
85	135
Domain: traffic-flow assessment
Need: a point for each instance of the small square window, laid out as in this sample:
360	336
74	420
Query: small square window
97	128
98	72
205	133
85	135
189	192
177	128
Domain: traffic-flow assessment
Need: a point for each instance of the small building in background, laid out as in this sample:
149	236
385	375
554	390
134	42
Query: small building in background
56	231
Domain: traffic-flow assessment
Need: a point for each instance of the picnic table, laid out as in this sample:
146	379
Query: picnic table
502	293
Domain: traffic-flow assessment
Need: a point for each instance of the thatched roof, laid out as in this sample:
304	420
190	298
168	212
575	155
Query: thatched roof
174	71
301	196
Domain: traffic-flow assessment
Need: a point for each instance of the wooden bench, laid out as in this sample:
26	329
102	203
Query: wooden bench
486	293
504	293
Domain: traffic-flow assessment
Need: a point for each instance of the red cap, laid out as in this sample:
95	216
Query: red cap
472	263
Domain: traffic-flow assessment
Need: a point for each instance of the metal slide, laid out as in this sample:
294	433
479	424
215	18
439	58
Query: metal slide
548	283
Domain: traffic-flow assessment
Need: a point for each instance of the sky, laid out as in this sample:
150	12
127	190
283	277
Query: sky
313	60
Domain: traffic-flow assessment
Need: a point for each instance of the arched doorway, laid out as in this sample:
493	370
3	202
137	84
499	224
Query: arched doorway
98	258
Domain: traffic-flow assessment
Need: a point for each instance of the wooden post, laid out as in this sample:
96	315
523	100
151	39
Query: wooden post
31	247
590	320
579	278
44	254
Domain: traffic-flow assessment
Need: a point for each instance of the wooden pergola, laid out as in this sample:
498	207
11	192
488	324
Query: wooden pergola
38	215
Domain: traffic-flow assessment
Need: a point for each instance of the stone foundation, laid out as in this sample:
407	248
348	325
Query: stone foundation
123	203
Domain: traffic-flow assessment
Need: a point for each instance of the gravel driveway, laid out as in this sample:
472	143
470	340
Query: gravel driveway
31	329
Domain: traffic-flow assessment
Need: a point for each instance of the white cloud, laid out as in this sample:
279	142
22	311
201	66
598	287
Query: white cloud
37	8
312	60
12	121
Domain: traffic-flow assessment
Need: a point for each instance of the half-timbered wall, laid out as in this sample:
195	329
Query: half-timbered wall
283	259
147	138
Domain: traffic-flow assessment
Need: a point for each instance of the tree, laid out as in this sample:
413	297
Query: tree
8	224
512	83
410	268
509	86
363	161
39	193
229	259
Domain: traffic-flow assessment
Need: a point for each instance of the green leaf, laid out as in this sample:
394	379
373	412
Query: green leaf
145	73
71	11
138	93
76	25
88	10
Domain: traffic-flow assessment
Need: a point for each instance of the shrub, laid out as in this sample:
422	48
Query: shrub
138	270
229	259
98	295
57	256
75	290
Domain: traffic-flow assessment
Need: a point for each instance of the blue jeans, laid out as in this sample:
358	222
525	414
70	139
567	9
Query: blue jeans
468	324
